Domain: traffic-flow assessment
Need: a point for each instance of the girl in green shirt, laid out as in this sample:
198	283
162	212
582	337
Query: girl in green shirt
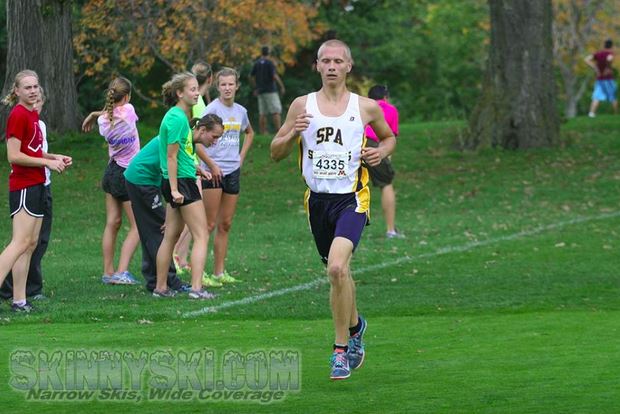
179	186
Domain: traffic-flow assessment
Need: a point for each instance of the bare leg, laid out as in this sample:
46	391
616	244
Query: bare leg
224	223
593	106
277	121
112	225
17	254
174	227
262	124
131	241
211	199
194	215
614	105
388	203
354	314
342	292
182	247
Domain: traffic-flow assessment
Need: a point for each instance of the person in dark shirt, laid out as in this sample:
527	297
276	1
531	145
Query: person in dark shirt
605	85
265	81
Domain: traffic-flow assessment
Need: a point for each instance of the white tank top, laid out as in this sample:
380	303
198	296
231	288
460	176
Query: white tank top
331	149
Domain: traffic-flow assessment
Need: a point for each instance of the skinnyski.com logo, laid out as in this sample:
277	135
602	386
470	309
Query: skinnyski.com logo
260	376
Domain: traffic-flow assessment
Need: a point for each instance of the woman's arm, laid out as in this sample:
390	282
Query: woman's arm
16	156
247	143
171	160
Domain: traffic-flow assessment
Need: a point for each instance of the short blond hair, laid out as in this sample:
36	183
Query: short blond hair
335	43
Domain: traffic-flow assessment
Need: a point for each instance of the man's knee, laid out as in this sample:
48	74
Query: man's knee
337	272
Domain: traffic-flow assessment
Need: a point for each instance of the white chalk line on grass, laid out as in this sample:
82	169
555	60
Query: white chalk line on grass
444	250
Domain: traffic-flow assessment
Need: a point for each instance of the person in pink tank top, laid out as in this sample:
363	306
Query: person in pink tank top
382	175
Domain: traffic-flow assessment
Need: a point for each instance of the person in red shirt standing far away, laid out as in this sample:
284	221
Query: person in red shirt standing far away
605	86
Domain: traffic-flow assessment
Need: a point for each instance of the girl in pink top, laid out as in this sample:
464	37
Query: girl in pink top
117	124
382	175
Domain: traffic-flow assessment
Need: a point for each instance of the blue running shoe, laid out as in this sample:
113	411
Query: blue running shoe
124	278
356	354
108	279
340	366
184	288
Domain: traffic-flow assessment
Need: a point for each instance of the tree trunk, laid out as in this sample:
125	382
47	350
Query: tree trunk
40	38
517	108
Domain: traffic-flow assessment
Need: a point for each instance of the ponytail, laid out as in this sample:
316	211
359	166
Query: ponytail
117	90
11	99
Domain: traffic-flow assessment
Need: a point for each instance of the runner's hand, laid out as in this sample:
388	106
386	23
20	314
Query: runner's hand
177	197
302	122
372	156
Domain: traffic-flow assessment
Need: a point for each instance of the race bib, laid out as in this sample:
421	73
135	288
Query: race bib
329	165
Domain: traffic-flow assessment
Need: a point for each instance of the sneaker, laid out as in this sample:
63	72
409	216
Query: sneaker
124	278
340	366
168	293
356	354
184	288
592	115
226	278
200	294
108	279
39	296
395	234
210	281
25	308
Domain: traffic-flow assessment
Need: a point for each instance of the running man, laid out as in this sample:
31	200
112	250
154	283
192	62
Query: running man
328	126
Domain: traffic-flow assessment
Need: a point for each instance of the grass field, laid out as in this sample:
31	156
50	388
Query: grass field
504	298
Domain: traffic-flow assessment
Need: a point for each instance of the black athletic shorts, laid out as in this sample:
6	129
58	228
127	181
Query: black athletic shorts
229	184
113	181
334	215
382	174
187	187
31	199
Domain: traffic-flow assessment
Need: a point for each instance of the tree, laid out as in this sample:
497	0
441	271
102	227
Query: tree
517	108
40	38
133	37
430	52
579	27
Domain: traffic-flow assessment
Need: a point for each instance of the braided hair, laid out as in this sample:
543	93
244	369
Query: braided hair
117	90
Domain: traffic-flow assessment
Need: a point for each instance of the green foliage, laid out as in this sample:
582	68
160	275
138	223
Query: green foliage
431	54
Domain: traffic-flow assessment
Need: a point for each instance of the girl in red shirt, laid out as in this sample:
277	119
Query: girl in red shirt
26	180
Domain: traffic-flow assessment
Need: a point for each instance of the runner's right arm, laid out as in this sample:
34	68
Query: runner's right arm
297	120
